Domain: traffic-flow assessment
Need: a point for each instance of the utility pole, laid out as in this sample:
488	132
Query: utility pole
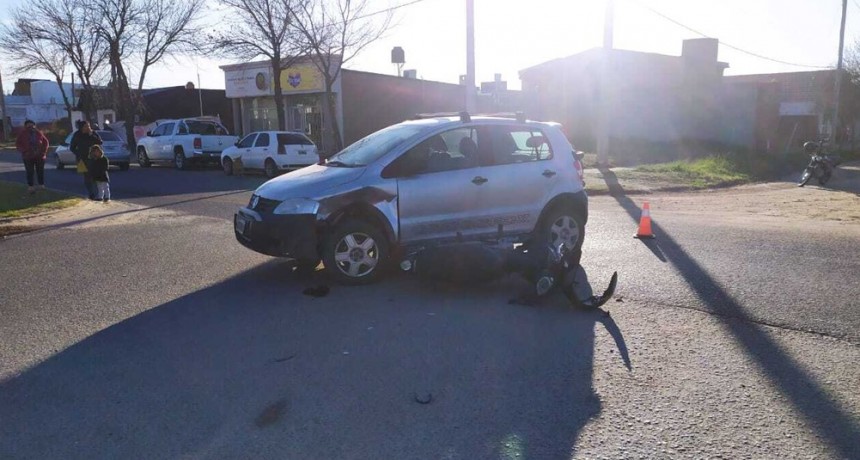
835	122
603	110
470	56
5	127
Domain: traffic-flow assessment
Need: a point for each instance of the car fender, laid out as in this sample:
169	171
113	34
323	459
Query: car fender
376	204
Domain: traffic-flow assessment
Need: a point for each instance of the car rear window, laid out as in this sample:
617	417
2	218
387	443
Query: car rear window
108	136
205	128
293	139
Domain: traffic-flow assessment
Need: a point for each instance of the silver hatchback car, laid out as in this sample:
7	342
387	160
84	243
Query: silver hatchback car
420	183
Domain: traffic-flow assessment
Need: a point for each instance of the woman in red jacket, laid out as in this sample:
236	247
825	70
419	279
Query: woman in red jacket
33	146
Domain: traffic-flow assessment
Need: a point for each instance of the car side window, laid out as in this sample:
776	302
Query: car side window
448	151
182	129
167	129
158	131
518	144
248	141
262	140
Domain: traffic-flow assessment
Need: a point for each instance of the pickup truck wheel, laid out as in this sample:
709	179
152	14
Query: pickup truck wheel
270	168
228	166
143	158
180	161
355	252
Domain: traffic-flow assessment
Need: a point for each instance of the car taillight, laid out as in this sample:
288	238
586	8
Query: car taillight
579	171
198	143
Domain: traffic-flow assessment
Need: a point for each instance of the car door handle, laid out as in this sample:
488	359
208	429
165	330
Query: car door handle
478	180
548	173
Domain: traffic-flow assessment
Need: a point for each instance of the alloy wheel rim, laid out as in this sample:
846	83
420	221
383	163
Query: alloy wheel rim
356	255
564	231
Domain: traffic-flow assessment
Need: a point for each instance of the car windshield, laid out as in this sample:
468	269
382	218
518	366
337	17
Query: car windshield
108	136
374	146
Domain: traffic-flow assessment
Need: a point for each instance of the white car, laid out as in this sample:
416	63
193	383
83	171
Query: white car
271	151
115	150
183	142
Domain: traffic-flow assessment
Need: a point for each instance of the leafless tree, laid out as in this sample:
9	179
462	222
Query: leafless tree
335	32
140	32
69	26
29	52
261	28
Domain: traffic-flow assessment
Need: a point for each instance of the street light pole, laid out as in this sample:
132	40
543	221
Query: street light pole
470	56
835	121
603	110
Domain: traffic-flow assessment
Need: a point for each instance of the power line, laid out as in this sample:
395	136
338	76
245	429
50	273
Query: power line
727	45
402	5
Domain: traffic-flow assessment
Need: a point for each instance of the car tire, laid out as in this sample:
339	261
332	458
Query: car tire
227	166
355	253
179	160
60	165
563	225
143	158
124	166
270	168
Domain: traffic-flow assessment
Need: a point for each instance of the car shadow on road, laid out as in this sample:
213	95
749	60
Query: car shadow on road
249	367
831	422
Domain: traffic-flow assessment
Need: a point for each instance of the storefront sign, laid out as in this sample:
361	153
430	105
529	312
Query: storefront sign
248	82
302	78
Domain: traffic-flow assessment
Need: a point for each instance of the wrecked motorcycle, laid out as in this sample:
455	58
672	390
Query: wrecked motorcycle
546	269
820	165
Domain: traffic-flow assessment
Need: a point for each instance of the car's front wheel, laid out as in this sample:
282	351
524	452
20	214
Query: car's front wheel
355	252
227	165
564	226
143	158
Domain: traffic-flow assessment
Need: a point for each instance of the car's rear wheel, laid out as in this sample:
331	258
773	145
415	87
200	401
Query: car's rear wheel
143	158
355	252
227	165
564	226
270	168
180	161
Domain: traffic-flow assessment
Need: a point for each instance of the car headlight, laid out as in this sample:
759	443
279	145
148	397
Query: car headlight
298	206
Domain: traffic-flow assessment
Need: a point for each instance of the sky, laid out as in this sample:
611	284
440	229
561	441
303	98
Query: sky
511	35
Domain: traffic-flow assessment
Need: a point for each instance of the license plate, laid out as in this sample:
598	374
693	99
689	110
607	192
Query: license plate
240	224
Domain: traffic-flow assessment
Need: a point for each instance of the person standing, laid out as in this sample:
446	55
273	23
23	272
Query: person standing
83	139
33	146
99	170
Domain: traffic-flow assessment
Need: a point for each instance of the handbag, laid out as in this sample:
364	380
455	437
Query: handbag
82	167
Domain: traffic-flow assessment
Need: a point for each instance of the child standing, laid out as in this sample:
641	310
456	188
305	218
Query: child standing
99	170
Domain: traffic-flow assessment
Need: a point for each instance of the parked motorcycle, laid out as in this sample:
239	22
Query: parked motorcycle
820	165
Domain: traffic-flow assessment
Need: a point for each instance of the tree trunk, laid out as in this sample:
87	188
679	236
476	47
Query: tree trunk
279	92
66	102
334	126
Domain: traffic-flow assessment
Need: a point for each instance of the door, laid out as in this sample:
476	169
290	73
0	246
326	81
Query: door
260	151
520	176
165	141
438	184
243	149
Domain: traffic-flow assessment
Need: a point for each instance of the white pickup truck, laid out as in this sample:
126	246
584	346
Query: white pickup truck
183	142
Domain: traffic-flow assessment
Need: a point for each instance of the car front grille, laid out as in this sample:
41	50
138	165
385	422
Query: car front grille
261	204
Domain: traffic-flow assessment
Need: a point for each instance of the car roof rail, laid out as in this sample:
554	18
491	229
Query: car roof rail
520	116
464	116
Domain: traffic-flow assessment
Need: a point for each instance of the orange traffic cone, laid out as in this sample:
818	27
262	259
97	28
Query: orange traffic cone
645	223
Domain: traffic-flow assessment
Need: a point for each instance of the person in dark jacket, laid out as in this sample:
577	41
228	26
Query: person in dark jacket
83	139
33	146
99	171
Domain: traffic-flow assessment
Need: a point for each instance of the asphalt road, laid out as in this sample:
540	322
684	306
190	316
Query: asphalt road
160	337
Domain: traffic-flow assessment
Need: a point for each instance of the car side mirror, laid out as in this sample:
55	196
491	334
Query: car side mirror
579	155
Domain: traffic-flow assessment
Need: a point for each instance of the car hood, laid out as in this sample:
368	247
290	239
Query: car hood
309	182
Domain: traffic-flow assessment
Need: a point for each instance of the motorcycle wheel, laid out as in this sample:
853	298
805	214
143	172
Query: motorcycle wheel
824	177
804	178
